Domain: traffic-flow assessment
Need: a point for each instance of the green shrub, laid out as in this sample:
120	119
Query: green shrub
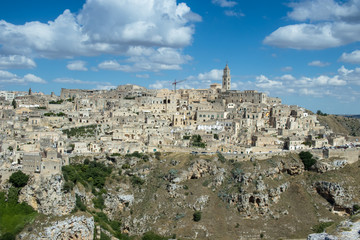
356	208
196	141
197	216
99	202
19	179
307	159
79	204
125	166
135	180
153	236
157	155
221	157
319	228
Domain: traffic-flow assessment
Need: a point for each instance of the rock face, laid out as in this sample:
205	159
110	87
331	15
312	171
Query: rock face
325	166
335	194
73	227
45	195
321	236
258	201
117	203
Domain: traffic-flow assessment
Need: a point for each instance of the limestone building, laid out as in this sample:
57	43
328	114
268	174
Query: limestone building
226	79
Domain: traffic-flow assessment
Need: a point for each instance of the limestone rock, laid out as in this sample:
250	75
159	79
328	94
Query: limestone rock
199	168
321	236
76	227
335	194
45	195
116	203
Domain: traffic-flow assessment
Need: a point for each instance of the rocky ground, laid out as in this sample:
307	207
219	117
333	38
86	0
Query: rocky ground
271	199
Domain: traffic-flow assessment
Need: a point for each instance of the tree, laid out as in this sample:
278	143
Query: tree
307	159
197	216
19	179
216	136
157	155
14	103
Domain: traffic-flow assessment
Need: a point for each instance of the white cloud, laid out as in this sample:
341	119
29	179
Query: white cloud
265	83
287	69
332	24
104	27
353	57
325	10
16	62
287	77
160	85
148	59
77	81
142	75
213	75
232	13
224	3
105	87
318	63
77	66
11	78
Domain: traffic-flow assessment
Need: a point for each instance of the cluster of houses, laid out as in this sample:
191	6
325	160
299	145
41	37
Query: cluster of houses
41	132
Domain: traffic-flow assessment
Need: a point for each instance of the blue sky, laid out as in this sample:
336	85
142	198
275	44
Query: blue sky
305	52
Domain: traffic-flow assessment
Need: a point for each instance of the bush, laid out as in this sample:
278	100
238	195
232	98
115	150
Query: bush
19	179
319	228
8	236
153	236
221	157
157	155
307	159
79	204
99	202
356	208
135	180
197	216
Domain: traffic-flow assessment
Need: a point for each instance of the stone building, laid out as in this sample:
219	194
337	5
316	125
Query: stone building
226	80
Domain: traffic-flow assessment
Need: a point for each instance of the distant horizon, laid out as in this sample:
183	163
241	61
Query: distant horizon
59	92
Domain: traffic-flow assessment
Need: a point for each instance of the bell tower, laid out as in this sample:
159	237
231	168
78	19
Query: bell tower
226	81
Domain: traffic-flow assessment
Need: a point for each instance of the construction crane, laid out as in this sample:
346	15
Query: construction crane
176	82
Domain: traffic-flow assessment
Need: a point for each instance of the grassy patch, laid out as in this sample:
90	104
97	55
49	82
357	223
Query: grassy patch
14	216
319	228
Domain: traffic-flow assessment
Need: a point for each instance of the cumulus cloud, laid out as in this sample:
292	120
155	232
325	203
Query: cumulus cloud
318	63
265	83
353	57
148	59
224	3
160	85
232	13
11	78
142	75
332	24
287	69
77	66
103	27
213	75
16	62
342	85
77	81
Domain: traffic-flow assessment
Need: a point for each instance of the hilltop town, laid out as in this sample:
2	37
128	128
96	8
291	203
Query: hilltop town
40	132
132	161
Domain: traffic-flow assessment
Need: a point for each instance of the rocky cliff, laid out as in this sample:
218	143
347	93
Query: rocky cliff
45	194
75	227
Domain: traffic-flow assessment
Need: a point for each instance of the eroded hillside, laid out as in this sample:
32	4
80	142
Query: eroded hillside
341	125
209	197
